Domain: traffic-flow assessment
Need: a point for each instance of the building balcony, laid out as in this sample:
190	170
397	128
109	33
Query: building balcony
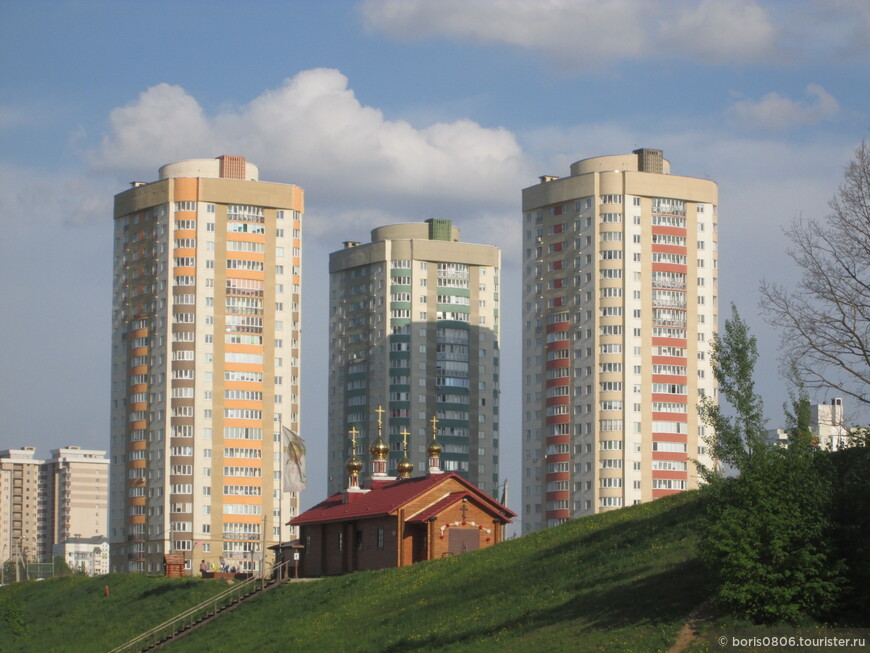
668	285
658	303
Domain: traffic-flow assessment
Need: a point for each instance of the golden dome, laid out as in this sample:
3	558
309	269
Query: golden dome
353	466
404	467
433	448
379	449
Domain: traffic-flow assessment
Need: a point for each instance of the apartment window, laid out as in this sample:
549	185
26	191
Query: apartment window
672	447
668	484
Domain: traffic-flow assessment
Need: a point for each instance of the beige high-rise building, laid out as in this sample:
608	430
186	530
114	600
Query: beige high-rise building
205	364
77	494
414	331
44	503
619	308
23	518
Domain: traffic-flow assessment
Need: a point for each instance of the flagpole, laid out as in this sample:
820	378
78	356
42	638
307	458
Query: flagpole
263	555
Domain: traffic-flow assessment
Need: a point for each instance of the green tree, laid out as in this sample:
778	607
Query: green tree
767	536
737	439
852	516
8	572
61	568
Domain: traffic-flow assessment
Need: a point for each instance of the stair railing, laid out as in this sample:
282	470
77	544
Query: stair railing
208	608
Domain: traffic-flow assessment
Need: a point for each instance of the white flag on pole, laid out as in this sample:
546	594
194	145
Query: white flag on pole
294	461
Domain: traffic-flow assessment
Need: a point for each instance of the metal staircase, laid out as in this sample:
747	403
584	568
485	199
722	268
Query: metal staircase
199	615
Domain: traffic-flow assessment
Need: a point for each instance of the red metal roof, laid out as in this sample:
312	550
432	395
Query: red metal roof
387	498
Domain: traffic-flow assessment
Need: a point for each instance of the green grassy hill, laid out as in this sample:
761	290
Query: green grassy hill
621	581
73	614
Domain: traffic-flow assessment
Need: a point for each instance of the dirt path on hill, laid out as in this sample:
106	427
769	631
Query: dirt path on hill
689	631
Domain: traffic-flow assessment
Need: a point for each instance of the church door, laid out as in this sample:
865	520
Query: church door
461	540
419	549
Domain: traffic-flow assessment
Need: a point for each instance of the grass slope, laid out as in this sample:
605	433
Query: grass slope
72	613
620	581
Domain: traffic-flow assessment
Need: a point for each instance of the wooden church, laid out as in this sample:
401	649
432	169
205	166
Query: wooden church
397	521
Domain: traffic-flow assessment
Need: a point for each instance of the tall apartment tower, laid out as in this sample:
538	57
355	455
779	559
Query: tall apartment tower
205	364
414	331
47	502
23	518
619	307
77	494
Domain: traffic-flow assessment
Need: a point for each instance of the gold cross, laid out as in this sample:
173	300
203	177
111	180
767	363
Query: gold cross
434	426
380	411
353	433
405	435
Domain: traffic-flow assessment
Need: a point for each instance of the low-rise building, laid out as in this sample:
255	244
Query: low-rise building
827	424
85	554
397	521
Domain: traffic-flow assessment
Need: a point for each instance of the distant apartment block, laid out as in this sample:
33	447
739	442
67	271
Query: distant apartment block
87	554
205	364
619	307
414	327
77	493
827	423
23	529
49	503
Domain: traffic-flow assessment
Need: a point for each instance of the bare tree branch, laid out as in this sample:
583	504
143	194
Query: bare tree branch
825	318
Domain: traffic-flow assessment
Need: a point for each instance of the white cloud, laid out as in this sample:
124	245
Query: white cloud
14	117
856	41
312	131
64	200
835	30
551	27
720	31
162	125
586	33
774	111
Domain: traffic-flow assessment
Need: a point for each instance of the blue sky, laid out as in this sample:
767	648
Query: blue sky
388	111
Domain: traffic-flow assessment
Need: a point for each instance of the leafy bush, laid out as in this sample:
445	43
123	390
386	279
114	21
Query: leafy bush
769	538
852	538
